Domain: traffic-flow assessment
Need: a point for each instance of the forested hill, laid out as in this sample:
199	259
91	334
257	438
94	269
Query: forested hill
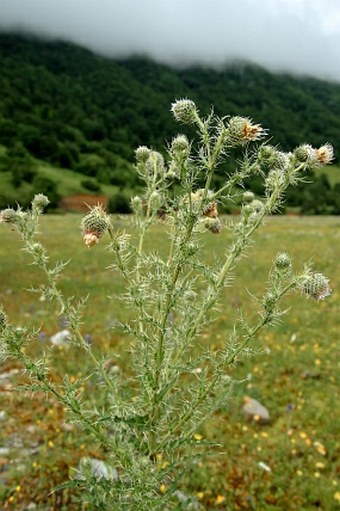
87	113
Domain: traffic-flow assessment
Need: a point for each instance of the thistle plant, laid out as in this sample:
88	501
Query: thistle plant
147	420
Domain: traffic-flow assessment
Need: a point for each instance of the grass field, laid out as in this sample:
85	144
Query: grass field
295	377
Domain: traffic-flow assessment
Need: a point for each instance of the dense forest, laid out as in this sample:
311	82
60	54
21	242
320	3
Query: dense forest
64	105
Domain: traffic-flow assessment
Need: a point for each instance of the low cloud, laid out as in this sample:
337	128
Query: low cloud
300	36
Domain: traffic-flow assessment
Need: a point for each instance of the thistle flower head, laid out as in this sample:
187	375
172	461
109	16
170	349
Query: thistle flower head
210	210
39	202
213	225
247	210
155	163
137	204
305	153
314	158
155	200
180	143
248	196
325	154
94	225
282	261
190	295
269	300
316	286
242	130
184	110
8	216
256	206
142	153
180	147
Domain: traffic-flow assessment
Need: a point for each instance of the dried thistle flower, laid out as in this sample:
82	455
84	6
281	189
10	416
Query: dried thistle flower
94	225
8	216
213	225
3	319
210	210
316	286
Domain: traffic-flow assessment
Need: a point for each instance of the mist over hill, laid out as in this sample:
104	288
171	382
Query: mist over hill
64	105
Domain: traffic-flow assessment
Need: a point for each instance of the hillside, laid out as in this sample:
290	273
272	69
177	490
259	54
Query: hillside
66	107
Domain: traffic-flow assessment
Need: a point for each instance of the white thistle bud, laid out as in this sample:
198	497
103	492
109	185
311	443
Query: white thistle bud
142	153
190	295
155	200
282	261
137	204
39	202
184	110
180	144
256	206
247	210
155	163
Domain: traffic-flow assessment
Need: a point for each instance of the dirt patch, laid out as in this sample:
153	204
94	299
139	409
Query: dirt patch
82	202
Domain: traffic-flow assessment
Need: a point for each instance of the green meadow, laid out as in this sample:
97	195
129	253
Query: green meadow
291	463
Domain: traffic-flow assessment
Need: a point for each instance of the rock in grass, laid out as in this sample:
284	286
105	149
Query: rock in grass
61	338
254	410
187	501
96	468
311	375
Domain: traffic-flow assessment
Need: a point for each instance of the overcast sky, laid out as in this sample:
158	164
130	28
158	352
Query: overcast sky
302	36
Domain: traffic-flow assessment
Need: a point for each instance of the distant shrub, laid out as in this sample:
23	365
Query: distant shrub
119	203
91	185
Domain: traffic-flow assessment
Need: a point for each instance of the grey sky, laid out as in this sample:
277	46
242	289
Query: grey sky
302	36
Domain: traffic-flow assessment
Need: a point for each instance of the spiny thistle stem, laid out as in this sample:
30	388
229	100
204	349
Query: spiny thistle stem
153	409
226	362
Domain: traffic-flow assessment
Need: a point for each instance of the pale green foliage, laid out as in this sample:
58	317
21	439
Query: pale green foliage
148	420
